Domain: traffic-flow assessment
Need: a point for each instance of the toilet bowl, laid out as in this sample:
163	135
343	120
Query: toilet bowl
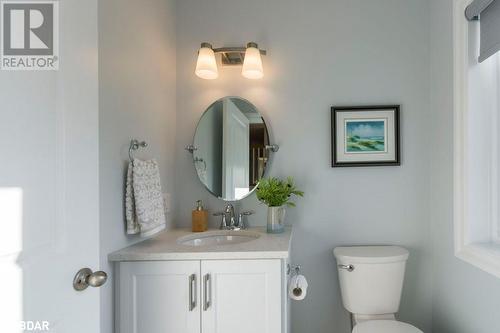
371	281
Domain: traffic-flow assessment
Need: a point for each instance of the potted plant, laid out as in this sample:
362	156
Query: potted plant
276	194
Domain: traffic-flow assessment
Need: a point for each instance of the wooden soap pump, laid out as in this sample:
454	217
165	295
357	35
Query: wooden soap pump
200	218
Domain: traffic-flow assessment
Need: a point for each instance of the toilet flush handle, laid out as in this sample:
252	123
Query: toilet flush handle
348	268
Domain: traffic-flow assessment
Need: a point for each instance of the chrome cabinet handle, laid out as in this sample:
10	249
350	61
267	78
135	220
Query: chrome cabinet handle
85	277
207	296
192	292
348	268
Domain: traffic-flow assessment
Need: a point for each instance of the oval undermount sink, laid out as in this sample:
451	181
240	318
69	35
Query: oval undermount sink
223	237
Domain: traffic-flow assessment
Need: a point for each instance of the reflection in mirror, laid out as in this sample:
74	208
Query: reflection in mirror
231	156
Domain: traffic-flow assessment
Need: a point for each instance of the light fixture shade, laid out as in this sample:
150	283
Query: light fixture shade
252	65
206	66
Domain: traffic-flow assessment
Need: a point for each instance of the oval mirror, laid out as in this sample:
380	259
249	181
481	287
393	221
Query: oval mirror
230	155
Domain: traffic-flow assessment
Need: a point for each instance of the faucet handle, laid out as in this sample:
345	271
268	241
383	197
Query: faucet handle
241	224
223	224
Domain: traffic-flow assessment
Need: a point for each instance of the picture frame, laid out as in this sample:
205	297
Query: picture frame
365	136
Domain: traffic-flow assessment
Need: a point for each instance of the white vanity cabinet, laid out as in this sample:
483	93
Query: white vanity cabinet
201	296
241	296
161	296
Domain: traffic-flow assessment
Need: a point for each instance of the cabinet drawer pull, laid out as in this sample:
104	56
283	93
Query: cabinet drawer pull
207	294
192	292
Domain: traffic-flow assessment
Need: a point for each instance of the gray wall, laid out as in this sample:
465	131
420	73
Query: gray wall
136	100
465	299
322	53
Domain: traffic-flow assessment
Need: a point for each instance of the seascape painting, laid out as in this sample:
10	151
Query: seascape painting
365	136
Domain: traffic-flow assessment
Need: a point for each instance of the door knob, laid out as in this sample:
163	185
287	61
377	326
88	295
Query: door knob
85	277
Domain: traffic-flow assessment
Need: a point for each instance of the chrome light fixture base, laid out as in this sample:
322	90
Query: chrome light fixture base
234	56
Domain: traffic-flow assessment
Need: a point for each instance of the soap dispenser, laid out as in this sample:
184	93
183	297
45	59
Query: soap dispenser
200	218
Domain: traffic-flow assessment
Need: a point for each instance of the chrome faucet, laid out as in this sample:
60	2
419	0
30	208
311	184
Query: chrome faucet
229	211
228	221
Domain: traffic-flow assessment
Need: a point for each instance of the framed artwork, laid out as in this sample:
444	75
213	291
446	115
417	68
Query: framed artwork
365	136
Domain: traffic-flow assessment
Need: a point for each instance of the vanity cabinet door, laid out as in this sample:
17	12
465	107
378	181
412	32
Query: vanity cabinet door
241	296
158	297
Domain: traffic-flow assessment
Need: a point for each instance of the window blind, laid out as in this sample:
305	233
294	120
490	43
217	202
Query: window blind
488	12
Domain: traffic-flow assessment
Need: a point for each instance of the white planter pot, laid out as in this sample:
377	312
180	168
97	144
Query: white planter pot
276	219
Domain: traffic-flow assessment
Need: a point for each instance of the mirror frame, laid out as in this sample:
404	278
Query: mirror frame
191	148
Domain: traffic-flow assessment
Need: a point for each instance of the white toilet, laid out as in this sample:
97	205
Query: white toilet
371	280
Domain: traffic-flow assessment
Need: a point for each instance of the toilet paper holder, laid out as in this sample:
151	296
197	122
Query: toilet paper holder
297	287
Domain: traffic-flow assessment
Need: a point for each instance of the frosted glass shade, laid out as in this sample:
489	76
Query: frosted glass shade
252	65
206	66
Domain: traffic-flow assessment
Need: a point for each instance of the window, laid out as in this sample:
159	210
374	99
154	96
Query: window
476	147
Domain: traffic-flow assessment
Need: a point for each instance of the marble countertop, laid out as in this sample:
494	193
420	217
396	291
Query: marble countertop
165	246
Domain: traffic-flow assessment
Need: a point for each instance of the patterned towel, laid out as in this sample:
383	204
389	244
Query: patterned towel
144	205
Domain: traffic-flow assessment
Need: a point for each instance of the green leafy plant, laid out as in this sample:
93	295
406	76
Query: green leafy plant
276	192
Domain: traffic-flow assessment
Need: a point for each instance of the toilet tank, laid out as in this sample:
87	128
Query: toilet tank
371	278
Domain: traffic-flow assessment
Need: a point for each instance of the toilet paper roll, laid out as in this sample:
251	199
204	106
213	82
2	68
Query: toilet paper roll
297	289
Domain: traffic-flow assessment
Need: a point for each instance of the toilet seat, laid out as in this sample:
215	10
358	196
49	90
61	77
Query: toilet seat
385	326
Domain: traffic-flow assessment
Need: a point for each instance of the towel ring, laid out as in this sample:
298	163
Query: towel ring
296	269
134	145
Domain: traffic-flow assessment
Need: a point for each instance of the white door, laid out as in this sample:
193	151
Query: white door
235	152
49	194
159	297
241	296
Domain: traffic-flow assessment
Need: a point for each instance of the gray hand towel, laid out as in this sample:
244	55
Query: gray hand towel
144	205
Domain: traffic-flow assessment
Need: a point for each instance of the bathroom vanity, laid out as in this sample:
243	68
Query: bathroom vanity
211	282
232	280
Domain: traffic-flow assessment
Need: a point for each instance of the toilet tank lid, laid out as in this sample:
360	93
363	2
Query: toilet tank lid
370	254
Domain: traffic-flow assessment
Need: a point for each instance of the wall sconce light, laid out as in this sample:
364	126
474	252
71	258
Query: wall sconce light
206	66
249	57
252	64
